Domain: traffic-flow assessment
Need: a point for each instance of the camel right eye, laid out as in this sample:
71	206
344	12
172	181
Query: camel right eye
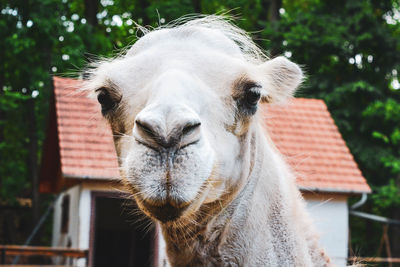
106	101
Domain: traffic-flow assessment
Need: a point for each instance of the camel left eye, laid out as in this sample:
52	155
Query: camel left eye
252	96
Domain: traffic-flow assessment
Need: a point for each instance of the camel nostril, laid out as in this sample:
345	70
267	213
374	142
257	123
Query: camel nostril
147	128
190	127
152	132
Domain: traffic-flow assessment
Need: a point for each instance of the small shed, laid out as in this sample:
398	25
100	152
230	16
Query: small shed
80	164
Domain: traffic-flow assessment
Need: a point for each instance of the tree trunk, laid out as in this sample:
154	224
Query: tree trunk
142	12
2	112
33	157
196	6
91	10
273	11
395	229
273	18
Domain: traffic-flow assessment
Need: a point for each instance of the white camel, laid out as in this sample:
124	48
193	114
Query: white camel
183	105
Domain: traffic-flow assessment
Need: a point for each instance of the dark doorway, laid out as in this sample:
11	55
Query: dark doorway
118	239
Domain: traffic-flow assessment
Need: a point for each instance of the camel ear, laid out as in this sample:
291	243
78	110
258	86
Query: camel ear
282	77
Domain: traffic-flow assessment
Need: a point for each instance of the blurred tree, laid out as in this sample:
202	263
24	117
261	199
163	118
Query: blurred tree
350	52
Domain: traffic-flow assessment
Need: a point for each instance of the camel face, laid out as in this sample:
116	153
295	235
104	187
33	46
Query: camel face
180	103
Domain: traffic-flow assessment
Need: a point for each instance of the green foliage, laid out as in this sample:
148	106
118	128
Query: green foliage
351	56
25	31
12	150
386	197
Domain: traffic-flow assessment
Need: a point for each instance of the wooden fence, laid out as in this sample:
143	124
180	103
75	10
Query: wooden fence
13	250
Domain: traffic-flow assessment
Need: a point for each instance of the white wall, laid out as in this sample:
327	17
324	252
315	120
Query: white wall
79	219
57	222
59	239
70	238
85	210
330	215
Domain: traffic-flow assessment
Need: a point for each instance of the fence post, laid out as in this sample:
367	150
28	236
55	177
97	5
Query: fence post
87	257
3	256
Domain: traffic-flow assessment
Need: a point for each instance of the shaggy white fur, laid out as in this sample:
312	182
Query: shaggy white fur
183	106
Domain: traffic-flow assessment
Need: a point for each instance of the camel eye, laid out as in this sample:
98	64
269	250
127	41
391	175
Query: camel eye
106	100
252	96
247	94
249	101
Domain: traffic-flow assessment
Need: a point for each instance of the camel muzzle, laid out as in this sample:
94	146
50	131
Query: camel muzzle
165	213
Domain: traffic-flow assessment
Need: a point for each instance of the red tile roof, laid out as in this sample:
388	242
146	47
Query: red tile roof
303	131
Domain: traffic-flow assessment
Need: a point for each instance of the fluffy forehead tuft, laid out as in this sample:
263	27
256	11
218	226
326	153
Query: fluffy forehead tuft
217	32
212	28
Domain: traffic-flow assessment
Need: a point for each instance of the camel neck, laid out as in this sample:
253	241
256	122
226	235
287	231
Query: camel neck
202	234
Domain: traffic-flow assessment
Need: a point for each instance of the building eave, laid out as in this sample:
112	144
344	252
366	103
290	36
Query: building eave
333	190
87	177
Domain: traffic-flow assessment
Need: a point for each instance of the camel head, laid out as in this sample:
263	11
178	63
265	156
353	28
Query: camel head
181	102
